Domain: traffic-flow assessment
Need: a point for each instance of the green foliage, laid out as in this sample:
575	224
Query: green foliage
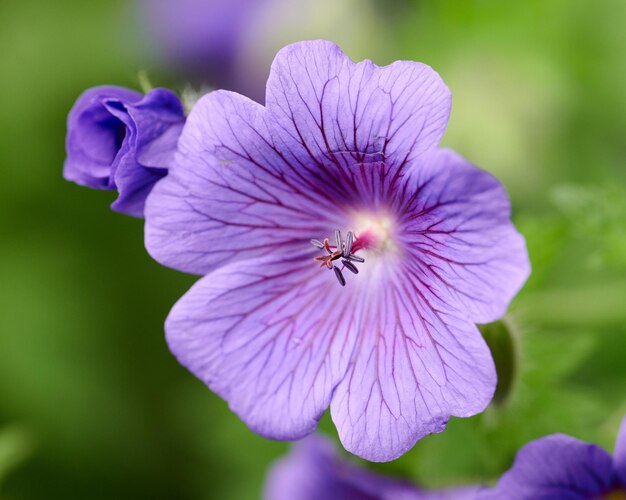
15	447
596	215
502	342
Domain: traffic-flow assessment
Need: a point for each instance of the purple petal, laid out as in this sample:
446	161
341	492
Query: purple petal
232	195
620	453
471	492
418	361
94	136
159	118
460	235
313	470
269	336
326	104
153	127
556	466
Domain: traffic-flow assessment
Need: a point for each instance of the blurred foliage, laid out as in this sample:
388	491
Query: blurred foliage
15	447
596	214
538	100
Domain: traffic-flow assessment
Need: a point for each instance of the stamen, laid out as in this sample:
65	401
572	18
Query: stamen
327	246
340	278
348	247
338	240
342	251
350	266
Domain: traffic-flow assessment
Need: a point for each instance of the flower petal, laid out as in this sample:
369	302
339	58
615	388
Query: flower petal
272	337
231	195
159	118
153	126
620	453
94	136
326	104
458	231
418	361
556	466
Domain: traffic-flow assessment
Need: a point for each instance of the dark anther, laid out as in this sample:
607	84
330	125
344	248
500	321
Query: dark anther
350	266
340	278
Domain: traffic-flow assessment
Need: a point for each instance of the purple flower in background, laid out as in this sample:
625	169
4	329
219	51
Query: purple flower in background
561	467
313	470
119	139
421	239
200	37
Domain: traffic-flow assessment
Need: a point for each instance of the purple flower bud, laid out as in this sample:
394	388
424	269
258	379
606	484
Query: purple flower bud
119	139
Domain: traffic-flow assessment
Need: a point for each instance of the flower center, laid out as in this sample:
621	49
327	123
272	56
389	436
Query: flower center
341	255
378	229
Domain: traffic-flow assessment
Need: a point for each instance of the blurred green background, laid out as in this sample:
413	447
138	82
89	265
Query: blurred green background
92	405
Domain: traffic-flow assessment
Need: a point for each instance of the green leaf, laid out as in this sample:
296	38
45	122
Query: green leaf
501	340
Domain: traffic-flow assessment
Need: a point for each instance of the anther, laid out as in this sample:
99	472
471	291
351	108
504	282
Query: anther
348	247
317	244
356	258
350	266
340	278
338	240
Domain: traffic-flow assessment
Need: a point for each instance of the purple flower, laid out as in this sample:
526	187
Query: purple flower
345	152
313	470
201	37
119	139
562	467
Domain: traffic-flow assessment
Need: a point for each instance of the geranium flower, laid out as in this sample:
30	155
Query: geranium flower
314	470
341	151
563	467
119	139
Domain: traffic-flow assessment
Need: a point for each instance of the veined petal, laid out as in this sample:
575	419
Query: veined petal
417	362
153	126
556	466
272	337
326	104
457	229
231	194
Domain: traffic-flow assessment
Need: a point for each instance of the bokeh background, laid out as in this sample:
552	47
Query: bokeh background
92	405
